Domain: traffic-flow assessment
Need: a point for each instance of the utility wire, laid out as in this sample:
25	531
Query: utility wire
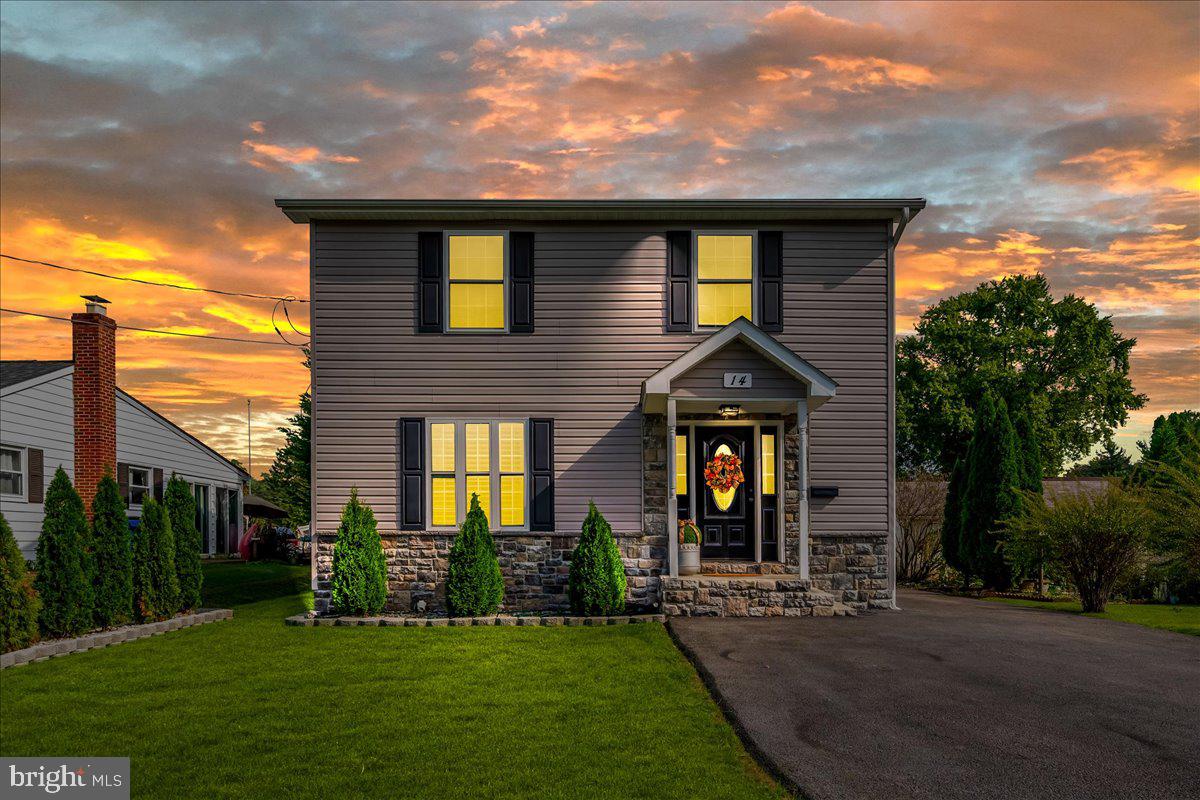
288	299
152	330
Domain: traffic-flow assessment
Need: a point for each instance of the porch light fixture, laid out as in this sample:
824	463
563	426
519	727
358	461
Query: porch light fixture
730	411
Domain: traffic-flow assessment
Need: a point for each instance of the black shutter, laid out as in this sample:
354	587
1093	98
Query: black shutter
429	282
123	481
520	282
410	478
541	464
770	281
36	491
158	484
679	281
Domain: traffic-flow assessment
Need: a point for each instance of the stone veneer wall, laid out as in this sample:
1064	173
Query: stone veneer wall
850	567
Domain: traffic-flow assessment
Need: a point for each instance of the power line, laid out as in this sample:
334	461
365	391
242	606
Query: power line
152	330
288	299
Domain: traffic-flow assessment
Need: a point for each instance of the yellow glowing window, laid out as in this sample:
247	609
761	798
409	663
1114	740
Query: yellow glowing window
476	278
512	500
481	485
477	446
444	494
441	440
768	463
512	447
681	486
724	278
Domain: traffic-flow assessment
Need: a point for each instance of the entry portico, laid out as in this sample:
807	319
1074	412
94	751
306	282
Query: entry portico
738	392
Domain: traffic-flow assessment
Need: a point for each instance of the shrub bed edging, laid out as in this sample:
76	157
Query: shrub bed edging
128	633
306	621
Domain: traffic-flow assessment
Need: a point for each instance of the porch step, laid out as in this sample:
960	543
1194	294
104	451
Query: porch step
713	567
749	596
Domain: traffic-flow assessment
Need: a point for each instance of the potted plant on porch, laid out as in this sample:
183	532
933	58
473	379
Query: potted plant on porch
689	547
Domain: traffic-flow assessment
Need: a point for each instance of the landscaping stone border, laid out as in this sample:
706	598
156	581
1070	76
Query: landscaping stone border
61	647
303	620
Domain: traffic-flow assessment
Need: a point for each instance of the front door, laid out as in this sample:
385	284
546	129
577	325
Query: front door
725	517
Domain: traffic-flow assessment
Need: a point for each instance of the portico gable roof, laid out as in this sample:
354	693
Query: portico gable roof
820	387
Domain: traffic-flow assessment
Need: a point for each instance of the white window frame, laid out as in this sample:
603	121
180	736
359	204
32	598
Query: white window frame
446	282
461	501
22	471
695	271
149	484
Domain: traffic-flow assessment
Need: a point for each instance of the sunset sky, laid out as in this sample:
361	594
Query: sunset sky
150	141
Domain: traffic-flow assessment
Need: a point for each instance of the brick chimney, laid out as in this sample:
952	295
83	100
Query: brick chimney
94	350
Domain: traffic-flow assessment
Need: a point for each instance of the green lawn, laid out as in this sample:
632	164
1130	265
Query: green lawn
251	708
1181	619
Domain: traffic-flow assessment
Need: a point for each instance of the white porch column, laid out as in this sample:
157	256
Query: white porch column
672	495
802	469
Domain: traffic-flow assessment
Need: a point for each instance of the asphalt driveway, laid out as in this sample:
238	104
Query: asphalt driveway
955	698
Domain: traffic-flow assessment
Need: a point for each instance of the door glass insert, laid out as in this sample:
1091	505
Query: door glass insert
724	498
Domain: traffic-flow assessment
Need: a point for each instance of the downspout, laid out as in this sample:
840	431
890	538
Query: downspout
905	216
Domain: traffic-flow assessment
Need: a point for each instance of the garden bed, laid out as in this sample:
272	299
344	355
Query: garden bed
127	633
528	620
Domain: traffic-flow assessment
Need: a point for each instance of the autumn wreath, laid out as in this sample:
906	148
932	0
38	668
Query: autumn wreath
724	472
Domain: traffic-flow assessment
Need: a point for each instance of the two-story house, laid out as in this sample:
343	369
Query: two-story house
541	354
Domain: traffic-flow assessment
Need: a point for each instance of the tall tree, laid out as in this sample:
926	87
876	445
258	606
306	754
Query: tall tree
19	604
114	555
1172	439
952	522
990	494
155	526
63	572
1058	358
181	508
1111	462
286	483
1029	453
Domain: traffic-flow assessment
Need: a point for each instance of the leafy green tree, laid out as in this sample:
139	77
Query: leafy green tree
19	603
181	508
474	585
160	540
359	581
1172	439
952	522
1057	358
990	494
1173	494
596	582
113	555
63	572
286	483
1111	462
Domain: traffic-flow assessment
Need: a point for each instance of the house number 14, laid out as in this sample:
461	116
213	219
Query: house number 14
738	380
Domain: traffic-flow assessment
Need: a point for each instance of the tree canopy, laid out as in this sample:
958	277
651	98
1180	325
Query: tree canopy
1058	360
1110	462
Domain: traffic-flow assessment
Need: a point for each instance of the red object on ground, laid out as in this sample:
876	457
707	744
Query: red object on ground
244	544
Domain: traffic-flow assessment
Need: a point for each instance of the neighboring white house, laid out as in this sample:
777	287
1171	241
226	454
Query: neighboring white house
39	433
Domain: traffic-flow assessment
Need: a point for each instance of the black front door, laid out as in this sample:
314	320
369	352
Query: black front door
725	519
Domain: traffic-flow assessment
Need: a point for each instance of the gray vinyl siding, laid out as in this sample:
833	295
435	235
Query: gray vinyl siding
40	416
599	307
708	379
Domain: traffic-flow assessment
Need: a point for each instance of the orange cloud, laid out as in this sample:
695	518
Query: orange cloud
862	74
265	153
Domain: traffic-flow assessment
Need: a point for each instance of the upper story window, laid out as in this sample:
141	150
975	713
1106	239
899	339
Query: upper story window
724	278
476	273
485	458
12	471
139	485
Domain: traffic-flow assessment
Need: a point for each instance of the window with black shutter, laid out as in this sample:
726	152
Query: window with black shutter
410	458
679	282
770	281
541	472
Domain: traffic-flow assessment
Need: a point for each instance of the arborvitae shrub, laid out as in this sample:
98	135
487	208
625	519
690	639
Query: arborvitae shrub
597	579
160	543
181	508
474	585
952	521
63	574
990	495
19	604
113	555
359	581
145	597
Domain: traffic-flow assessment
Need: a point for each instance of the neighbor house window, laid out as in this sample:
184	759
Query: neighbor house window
139	485
12	471
476	277
485	459
200	492
768	463
724	278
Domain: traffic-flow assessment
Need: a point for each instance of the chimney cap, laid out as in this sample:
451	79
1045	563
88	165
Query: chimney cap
94	298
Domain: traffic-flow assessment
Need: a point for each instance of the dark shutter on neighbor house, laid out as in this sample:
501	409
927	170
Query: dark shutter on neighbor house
520	282
410	478
123	481
770	281
541	469
429	282
36	490
159	487
679	281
